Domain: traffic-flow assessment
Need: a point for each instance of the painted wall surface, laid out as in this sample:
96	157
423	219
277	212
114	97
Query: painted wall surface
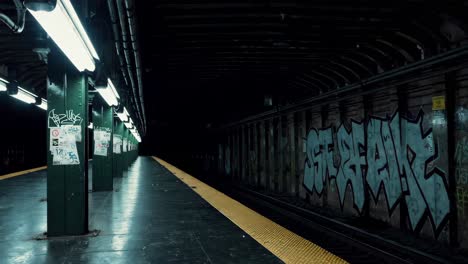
461	156
389	155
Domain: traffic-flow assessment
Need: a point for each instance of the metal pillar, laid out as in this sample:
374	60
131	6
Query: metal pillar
292	176
103	121
118	155
262	155
125	158
67	173
451	92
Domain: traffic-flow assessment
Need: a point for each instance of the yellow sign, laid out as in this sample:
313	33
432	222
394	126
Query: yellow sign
438	103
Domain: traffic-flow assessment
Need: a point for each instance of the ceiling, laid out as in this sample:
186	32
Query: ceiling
214	61
17	52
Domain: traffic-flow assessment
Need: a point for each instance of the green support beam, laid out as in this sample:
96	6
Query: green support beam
67	173
103	120
125	148
118	156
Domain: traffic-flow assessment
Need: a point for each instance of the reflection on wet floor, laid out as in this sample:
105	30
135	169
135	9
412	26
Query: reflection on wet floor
150	217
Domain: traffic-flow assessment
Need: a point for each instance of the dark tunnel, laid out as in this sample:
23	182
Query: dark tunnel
340	126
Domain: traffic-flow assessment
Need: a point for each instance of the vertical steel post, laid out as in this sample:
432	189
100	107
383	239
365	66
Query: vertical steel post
118	166
67	191
103	121
450	86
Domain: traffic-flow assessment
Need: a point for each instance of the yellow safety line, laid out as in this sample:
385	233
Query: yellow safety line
286	245
19	173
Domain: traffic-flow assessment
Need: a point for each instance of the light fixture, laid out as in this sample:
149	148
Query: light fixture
109	93
64	27
135	134
23	95
128	125
123	116
91	125
3	85
42	104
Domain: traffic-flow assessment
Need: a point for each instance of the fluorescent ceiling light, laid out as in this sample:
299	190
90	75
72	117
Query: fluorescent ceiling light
43	104
128	125
138	138
136	135
25	96
109	93
3	85
64	27
124	115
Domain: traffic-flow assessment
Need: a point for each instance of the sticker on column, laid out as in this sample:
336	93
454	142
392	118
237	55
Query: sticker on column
63	147
125	142
117	146
73	130
65	131
102	137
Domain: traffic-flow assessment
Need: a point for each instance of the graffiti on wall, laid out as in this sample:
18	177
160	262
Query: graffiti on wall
461	175
391	156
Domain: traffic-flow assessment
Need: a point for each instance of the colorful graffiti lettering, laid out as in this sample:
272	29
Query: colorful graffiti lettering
391	156
69	118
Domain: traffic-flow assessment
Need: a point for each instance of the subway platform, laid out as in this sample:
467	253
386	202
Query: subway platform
155	214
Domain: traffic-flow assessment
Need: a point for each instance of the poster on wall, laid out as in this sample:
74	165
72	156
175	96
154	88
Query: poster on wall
125	142
65	131
63	147
73	130
102	138
117	146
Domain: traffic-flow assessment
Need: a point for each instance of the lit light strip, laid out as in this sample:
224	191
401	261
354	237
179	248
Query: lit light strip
43	104
25	96
124	115
64	27
109	93
3	85
135	134
128	125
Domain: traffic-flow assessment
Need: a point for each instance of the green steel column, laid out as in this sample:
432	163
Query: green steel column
134	153
67	173
124	151
103	120
118	132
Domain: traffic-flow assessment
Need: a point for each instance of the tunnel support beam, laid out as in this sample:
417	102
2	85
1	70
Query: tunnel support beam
67	173
451	89
103	121
118	158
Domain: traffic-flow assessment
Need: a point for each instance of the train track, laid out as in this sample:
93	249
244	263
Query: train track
352	244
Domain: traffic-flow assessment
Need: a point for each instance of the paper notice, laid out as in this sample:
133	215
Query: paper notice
63	147
73	130
102	137
117	148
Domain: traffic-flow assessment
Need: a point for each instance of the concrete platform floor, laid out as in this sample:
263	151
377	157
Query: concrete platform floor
150	217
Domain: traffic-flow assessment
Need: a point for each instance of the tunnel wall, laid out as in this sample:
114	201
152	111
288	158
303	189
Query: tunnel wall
397	155
23	133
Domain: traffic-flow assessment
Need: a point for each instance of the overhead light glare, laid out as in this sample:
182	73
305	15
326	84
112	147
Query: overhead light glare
64	27
3	85
24	96
128	125
124	115
43	104
109	93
